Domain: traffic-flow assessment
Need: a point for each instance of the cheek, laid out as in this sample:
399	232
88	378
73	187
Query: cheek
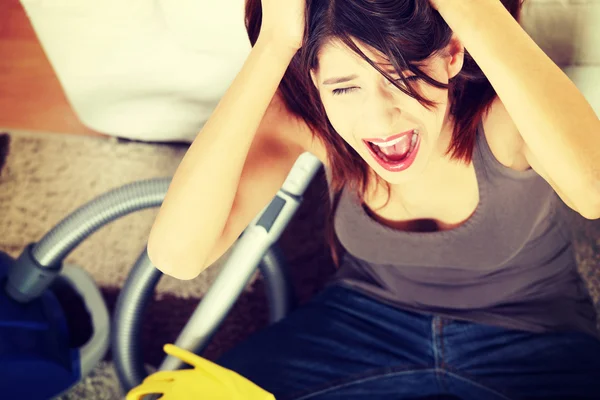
340	117
440	96
433	116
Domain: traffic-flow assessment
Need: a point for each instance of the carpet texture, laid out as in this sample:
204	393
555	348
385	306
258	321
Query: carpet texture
47	176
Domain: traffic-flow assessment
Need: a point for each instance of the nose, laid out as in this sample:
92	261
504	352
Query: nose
382	110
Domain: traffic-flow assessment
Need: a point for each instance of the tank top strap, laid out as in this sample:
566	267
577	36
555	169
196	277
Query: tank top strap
489	163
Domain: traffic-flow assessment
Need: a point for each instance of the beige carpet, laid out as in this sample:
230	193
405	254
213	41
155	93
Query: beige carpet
47	176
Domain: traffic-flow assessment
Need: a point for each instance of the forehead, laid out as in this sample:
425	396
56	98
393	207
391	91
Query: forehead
335	54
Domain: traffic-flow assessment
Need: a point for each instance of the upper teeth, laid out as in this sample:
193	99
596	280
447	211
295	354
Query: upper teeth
393	142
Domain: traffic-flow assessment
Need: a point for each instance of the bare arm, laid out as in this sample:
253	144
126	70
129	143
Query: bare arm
201	195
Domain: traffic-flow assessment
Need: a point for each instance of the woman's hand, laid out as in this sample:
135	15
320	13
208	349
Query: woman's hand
436	4
283	22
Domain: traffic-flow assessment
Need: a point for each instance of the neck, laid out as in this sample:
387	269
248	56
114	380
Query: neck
433	176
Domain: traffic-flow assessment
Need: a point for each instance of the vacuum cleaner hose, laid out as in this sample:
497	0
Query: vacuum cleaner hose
40	263
127	327
75	228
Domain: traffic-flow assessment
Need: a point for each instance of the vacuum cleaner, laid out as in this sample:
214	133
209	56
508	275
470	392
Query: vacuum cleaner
36	358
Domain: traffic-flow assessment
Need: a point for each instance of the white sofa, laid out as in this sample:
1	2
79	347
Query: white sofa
155	70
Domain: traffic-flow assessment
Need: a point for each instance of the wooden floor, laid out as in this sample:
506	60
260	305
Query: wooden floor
30	94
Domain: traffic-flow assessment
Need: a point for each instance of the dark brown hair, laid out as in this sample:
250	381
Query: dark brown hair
406	32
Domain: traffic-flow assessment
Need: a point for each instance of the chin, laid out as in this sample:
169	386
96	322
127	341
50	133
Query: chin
398	178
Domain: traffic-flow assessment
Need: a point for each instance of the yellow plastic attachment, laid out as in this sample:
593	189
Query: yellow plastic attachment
206	380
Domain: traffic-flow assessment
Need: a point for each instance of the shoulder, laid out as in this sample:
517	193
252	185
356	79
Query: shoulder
503	137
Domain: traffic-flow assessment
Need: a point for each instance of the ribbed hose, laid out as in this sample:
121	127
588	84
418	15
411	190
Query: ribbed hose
74	229
127	322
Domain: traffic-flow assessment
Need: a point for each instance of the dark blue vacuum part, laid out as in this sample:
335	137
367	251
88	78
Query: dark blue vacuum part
36	360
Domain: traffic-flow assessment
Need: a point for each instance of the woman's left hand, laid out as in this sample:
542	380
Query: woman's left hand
436	4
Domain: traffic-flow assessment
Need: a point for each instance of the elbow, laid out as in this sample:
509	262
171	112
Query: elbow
169	263
591	215
586	199
592	209
592	212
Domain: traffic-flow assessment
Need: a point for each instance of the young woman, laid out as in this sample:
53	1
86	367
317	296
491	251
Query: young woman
452	146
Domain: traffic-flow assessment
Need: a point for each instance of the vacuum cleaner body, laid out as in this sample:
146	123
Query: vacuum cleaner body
36	359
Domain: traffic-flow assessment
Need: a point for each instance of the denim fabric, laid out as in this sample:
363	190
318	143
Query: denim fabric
345	345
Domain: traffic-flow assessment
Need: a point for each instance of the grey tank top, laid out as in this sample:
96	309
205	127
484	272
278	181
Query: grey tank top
511	264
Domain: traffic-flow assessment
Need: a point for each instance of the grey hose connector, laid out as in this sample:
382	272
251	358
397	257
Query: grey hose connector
28	279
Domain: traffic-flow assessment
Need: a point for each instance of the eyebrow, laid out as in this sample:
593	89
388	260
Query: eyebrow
333	81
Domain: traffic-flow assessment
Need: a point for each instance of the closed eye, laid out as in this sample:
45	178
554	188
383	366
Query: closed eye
344	90
353	88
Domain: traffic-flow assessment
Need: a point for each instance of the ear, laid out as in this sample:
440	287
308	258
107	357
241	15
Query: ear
455	56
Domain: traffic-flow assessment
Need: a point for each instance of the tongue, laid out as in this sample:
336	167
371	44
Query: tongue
398	151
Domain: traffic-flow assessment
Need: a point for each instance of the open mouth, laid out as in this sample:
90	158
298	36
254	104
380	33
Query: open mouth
395	154
393	151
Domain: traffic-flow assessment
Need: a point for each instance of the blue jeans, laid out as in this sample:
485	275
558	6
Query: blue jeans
345	345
